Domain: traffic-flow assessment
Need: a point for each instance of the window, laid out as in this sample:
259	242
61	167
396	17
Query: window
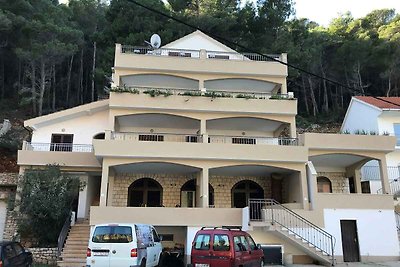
61	142
396	127
191	139
179	54
252	244
151	137
202	242
241	140
221	243
167	237
112	234
243	240
240	243
156	238
324	185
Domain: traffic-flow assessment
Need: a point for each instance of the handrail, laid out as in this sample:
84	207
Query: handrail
274	212
253	140
394	187
397	215
64	232
159	137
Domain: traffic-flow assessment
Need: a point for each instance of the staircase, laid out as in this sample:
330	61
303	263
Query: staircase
313	240
74	251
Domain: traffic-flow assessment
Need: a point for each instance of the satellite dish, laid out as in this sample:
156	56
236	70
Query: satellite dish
155	41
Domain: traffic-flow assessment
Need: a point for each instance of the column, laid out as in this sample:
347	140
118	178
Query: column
357	180
83	198
110	195
293	133
312	183
203	130
203	188
304	189
104	185
384	176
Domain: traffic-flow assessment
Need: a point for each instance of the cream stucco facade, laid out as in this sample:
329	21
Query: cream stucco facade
183	157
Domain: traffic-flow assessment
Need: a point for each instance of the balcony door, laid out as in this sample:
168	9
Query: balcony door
145	192
188	194
61	142
243	191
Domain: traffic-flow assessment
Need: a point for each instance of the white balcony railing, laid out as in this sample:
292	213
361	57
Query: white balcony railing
188	138
187	53
57	147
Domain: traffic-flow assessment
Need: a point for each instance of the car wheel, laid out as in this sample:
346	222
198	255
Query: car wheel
143	263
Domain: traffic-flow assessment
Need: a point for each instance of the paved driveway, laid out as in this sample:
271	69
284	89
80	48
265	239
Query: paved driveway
359	264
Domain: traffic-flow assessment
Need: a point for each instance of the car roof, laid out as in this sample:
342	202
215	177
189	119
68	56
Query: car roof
223	231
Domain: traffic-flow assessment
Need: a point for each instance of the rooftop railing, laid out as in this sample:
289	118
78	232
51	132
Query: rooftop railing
188	53
61	147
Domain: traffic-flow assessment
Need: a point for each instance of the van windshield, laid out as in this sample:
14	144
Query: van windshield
112	234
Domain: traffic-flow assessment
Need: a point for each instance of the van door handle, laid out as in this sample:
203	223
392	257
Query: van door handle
113	252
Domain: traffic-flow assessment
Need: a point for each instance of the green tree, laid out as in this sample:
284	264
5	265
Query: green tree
46	198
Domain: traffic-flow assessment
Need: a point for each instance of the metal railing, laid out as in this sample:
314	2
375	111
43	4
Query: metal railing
189	53
269	210
156	137
253	140
373	172
170	52
394	187
64	233
397	215
62	147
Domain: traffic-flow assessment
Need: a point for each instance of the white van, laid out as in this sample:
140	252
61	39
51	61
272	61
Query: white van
123	245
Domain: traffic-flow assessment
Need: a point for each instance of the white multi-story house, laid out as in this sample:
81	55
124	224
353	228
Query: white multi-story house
196	134
368	115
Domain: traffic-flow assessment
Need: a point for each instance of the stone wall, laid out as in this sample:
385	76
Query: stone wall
340	183
223	188
9	178
44	255
172	184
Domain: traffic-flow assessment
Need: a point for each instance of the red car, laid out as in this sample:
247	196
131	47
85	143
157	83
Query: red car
225	247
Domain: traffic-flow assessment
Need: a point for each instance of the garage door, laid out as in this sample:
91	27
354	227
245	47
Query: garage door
3	212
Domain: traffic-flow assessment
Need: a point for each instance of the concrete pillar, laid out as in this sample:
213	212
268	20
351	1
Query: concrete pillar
304	188
201	84
312	184
110	195
293	133
357	180
203	130
203	197
83	198
384	176
104	185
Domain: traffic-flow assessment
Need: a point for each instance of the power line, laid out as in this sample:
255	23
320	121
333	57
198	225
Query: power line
354	90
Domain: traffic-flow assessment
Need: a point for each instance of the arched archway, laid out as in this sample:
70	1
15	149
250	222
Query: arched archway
243	191
145	192
188	194
324	184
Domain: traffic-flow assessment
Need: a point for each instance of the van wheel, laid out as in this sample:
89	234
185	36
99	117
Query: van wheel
143	263
160	261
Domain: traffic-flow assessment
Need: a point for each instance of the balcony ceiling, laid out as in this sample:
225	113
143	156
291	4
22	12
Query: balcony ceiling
155	168
335	160
248	170
158	121
244	124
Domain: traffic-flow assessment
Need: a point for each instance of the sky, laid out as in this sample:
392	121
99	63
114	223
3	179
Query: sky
323	11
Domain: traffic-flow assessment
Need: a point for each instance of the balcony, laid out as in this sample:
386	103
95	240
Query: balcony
65	155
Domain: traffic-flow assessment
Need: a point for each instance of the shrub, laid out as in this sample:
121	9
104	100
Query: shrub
46	198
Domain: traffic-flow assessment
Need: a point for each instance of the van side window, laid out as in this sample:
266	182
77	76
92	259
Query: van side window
156	238
202	242
238	244
252	244
221	243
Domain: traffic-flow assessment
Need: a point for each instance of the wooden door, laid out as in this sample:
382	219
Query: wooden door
351	249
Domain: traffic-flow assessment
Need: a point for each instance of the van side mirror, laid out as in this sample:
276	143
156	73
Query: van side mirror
160	237
258	246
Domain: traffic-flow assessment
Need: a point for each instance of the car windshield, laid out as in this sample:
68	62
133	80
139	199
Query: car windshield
112	234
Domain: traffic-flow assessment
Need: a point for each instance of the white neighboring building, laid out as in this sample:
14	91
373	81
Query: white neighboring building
371	115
